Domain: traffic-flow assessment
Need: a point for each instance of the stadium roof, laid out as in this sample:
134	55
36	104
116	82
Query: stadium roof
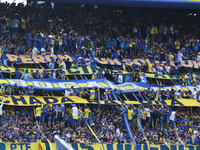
174	4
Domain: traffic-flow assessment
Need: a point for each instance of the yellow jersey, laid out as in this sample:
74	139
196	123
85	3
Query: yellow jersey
92	94
171	57
144	115
150	67
38	111
177	45
23	24
130	114
94	76
152	30
155	30
7	22
2	89
87	111
130	44
60	41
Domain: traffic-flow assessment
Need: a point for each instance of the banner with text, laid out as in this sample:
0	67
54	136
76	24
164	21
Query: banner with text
58	84
87	71
80	146
71	71
37	100
31	59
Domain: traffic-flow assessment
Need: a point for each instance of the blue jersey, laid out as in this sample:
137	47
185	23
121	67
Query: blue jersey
168	94
30	91
45	111
115	79
149	94
109	43
157	56
8	91
128	78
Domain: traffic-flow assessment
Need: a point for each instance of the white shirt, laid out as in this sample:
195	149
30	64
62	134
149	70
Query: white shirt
63	65
88	37
51	51
172	116
148	112
74	111
120	79
198	57
177	94
34	51
165	30
106	96
160	69
167	143
118	132
68	135
67	93
111	127
1	106
52	41
195	94
172	29
43	51
154	69
54	75
168	69
179	55
195	133
142	79
15	24
134	30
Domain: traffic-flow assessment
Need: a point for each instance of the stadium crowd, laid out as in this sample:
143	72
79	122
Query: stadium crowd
99	32
18	125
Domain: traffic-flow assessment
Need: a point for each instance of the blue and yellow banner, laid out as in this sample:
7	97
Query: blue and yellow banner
87	71
77	146
36	59
37	100
58	84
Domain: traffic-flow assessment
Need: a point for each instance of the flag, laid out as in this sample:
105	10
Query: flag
61	144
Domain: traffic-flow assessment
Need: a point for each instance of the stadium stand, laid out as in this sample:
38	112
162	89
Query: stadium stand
94	75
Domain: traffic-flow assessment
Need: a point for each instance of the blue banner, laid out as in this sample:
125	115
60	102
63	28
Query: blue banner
28	59
58	84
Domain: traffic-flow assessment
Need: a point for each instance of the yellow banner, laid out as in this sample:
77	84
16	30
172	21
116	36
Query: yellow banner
80	146
28	146
35	100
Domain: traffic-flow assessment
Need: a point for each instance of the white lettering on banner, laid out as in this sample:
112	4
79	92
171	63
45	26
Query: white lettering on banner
155	88
65	84
124	87
110	84
128	87
190	87
19	82
94	83
198	86
42	84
